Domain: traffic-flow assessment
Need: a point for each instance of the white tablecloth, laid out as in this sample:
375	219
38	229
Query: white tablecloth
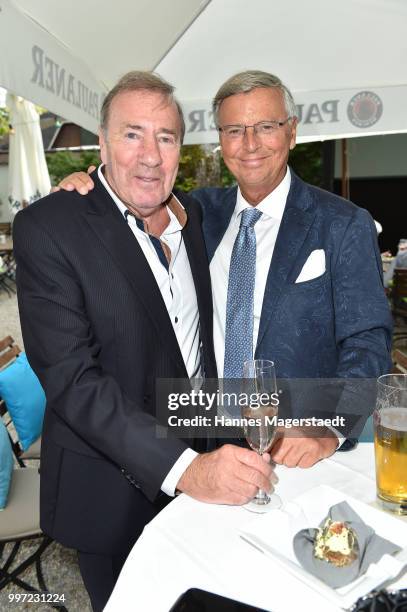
192	544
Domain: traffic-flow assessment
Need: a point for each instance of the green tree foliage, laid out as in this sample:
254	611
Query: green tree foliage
227	178
4	121
306	161
202	166
190	166
5	118
199	167
62	163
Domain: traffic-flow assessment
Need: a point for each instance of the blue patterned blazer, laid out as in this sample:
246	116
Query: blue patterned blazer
336	325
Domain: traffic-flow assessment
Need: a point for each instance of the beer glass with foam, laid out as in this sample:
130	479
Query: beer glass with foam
390	440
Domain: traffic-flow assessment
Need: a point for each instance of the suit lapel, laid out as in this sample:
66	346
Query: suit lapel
195	248
108	223
295	224
216	220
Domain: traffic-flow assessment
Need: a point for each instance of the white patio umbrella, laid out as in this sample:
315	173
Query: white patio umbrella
28	172
345	62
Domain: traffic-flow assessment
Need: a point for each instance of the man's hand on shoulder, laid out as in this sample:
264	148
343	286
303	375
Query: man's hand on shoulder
304	451
229	475
77	181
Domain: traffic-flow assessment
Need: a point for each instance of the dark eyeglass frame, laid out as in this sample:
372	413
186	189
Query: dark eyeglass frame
256	128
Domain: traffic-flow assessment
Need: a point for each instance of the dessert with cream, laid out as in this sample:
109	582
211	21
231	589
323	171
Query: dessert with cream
336	543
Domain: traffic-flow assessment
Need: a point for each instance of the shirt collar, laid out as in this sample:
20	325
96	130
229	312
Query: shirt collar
177	213
273	205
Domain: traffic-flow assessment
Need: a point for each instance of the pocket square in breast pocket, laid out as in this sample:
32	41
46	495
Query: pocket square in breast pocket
313	267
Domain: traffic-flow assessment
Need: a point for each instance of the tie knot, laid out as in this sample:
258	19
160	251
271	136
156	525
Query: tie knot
250	216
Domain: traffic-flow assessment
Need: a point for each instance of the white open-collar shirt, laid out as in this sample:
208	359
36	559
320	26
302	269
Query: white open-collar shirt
178	291
266	230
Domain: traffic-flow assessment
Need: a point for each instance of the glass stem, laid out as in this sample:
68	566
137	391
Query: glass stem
262	497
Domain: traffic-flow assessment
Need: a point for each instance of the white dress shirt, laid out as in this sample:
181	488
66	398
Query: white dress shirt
266	230
178	291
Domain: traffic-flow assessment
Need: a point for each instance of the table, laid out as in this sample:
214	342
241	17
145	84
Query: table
386	262
192	544
7	246
8	265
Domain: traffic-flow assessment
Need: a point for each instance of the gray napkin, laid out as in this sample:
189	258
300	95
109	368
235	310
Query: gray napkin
371	548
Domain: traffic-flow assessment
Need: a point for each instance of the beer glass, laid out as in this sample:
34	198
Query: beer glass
390	440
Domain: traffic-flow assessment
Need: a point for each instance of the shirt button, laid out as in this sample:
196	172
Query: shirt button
176	319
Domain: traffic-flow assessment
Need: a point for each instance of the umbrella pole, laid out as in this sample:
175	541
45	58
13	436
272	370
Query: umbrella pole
345	169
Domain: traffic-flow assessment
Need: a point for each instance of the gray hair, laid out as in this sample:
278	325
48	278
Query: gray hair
140	80
244	82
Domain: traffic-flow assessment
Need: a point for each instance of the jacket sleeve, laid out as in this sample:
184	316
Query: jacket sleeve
63	352
363	322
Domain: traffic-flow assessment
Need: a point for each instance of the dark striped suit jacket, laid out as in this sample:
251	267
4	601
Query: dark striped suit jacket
97	334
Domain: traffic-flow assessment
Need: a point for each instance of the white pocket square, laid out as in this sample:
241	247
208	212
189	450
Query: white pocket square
313	267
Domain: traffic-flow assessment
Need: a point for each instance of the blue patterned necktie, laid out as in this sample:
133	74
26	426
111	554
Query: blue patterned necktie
239	305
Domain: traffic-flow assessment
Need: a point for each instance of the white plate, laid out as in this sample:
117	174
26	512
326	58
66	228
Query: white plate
273	534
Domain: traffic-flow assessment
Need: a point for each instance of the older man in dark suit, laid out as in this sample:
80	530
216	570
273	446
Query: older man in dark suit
114	293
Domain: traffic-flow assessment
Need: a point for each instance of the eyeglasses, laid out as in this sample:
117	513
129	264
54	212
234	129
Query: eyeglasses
263	129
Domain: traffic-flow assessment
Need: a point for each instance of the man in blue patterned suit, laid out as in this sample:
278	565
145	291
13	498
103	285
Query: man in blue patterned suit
318	308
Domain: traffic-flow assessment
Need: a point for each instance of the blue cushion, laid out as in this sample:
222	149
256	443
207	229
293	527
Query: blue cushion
25	399
6	465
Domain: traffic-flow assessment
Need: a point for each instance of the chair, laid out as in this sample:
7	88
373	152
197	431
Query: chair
5	228
399	292
7	262
399	361
19	522
6	275
8	353
398	299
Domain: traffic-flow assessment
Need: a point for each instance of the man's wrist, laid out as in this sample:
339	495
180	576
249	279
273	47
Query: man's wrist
338	436
174	476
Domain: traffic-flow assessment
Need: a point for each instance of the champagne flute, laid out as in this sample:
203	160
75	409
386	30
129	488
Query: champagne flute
260	387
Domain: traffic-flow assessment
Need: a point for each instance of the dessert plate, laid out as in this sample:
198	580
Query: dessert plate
273	534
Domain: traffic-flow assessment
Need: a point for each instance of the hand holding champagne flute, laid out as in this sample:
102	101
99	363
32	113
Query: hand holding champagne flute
259	414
